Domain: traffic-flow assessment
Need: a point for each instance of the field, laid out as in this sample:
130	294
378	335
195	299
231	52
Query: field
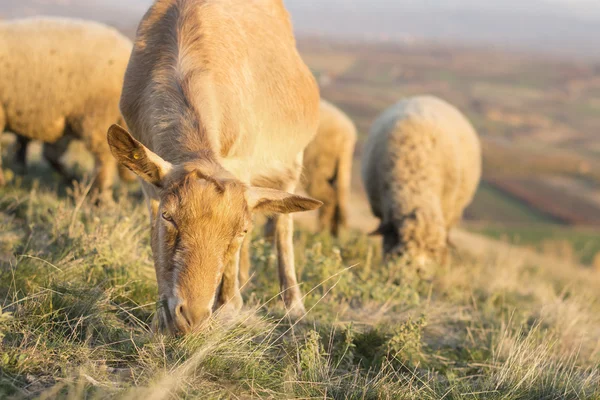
79	294
515	315
493	204
571	245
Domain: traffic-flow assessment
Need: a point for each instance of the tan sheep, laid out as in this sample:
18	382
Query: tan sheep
328	166
421	167
61	79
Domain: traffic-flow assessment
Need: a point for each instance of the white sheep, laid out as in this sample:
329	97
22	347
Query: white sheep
421	167
61	79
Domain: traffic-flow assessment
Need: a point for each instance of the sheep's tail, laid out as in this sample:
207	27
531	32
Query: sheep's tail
343	183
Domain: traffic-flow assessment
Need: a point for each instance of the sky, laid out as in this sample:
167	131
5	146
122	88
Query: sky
569	27
583	8
566	27
580	8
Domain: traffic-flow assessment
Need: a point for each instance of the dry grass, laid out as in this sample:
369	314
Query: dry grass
77	289
78	293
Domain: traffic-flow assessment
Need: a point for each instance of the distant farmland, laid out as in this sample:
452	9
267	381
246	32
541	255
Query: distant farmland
570	207
493	204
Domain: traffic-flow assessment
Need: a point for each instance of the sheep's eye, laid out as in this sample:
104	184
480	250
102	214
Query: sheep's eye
167	217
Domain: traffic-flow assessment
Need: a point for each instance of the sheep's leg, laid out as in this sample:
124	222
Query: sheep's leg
230	298
327	216
53	153
291	294
284	235
2	180
321	185
343	185
245	258
2	127
21	151
324	189
105	163
337	221
106	169
269	229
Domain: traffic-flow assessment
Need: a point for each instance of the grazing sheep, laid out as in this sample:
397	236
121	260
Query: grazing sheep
61	79
421	167
220	113
328	166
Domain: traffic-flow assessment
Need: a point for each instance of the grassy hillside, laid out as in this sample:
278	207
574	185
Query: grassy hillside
77	286
577	245
78	293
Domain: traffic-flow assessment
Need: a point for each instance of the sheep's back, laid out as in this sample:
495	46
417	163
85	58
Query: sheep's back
54	68
421	147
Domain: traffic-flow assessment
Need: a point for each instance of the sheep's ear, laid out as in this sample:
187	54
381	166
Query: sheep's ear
135	156
271	201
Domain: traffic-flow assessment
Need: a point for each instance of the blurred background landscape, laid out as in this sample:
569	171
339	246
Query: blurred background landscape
526	73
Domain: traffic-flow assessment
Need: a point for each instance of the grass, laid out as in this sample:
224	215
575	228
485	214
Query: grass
78	293
578	245
77	288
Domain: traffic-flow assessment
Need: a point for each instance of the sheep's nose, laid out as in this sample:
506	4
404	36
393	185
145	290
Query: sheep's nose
181	323
186	318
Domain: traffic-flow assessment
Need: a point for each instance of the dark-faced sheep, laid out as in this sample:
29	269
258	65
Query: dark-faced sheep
421	167
61	79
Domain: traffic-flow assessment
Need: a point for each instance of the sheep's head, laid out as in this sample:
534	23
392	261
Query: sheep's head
199	221
420	236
